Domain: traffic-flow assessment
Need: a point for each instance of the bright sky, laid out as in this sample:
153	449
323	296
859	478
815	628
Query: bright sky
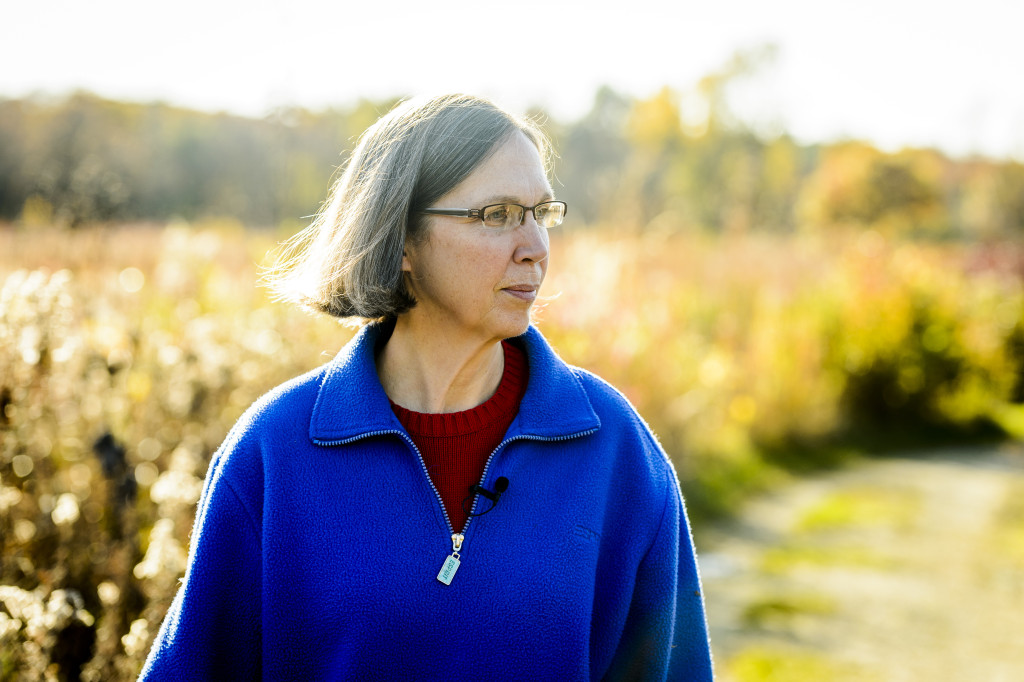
944	73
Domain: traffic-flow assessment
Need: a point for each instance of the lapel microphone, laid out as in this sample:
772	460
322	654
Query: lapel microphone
500	486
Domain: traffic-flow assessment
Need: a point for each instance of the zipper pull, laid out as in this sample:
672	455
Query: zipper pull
451	564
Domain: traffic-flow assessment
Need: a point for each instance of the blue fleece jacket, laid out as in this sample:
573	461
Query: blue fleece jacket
319	539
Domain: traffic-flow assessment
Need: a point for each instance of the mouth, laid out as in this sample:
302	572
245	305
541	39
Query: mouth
524	292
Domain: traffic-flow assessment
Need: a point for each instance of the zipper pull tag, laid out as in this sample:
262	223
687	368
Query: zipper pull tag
451	564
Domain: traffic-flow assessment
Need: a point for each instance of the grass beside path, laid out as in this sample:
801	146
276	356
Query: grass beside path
897	569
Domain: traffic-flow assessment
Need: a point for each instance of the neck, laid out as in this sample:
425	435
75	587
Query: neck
438	372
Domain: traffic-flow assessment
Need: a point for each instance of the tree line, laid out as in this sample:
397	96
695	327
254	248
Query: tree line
637	164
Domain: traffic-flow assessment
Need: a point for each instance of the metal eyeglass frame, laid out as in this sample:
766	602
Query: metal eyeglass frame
479	212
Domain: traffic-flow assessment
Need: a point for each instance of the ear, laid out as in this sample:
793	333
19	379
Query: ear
406	265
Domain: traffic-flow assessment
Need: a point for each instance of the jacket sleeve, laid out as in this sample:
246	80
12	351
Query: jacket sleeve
212	629
666	636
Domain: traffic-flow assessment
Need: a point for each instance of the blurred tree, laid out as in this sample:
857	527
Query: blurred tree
677	160
13	189
715	87
854	183
90	159
694	163
592	153
1010	198
655	173
783	168
77	165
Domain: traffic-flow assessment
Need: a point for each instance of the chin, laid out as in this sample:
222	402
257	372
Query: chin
514	327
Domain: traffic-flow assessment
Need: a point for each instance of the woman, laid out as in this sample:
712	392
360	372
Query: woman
446	499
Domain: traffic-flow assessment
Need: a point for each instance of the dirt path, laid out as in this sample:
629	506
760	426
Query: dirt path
897	569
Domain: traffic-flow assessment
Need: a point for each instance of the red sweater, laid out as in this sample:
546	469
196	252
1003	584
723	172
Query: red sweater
455	446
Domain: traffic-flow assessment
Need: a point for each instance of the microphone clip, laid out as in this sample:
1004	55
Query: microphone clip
500	486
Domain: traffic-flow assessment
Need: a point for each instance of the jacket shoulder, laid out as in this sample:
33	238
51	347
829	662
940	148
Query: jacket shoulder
279	417
610	402
282	405
621	420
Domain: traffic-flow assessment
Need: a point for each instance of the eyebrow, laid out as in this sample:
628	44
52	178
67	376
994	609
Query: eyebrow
509	199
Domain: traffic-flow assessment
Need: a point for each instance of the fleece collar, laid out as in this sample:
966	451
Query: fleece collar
351	403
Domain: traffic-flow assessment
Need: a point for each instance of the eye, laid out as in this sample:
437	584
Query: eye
496	216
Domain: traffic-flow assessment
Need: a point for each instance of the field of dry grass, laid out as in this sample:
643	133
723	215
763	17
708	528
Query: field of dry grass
127	353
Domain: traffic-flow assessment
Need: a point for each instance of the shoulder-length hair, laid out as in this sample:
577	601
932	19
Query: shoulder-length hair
347	262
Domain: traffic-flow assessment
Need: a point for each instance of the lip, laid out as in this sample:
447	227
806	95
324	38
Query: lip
525	292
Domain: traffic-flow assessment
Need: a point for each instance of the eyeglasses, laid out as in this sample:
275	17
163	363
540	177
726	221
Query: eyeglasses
548	214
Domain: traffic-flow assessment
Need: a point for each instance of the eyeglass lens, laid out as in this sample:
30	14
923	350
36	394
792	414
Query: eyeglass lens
549	214
502	215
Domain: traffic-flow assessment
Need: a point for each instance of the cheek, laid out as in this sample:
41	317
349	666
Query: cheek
459	266
479	261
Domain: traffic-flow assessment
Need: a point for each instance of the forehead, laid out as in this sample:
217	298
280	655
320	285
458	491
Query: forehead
513	172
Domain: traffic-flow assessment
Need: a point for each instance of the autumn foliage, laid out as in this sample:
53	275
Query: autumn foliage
770	307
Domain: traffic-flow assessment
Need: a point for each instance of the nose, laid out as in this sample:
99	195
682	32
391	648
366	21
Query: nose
532	246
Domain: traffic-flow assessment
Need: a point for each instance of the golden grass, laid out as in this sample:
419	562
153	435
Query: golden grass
739	352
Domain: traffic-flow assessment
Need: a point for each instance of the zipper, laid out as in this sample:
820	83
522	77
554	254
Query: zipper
419	456
453	561
487	465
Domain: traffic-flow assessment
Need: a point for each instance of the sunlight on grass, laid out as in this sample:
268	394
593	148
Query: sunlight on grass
778	560
778	610
1008	538
769	664
861	507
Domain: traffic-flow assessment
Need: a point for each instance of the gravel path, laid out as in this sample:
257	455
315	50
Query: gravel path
895	569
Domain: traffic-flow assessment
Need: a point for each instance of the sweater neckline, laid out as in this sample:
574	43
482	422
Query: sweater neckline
505	399
351	404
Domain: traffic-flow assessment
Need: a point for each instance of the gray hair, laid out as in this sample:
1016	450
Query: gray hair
347	262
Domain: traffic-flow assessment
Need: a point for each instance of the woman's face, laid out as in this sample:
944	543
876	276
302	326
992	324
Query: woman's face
480	281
